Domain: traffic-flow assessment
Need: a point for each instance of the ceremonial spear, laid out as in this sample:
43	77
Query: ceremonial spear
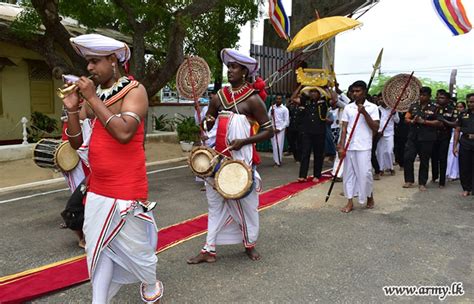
376	66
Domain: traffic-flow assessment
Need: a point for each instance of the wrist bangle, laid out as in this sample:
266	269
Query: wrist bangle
72	136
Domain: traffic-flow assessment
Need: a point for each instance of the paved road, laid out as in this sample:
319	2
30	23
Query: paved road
311	251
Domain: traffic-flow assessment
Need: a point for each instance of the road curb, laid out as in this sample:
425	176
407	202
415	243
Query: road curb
61	179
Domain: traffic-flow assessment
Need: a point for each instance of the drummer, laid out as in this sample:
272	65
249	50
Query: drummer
235	110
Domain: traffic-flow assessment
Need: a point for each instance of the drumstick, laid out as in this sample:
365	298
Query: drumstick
219	154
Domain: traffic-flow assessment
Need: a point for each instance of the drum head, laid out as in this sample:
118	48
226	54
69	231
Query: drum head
200	161
66	158
393	88
233	180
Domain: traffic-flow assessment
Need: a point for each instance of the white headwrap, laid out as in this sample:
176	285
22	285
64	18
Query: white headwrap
230	55
99	45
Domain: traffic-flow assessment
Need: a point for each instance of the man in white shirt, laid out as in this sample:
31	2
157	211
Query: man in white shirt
280	116
385	145
357	176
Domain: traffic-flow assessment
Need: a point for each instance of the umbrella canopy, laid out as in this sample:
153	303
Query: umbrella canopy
322	29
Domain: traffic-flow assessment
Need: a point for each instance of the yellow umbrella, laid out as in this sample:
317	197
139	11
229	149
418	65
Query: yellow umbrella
320	30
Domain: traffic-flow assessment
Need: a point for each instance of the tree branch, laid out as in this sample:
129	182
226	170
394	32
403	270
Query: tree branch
157	79
49	14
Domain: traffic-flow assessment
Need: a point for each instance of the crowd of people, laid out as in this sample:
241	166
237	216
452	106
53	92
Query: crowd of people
436	130
105	122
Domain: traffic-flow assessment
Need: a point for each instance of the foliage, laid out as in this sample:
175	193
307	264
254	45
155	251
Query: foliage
163	123
41	126
187	129
462	91
224	32
161	31
27	23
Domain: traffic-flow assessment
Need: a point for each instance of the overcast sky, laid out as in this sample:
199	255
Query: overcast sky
413	38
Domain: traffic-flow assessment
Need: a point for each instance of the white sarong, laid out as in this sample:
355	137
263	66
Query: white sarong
77	175
234	221
452	170
358	175
125	234
278	149
384	153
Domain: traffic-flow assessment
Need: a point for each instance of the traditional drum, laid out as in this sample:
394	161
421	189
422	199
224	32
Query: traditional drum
393	88
203	161
234	179
193	77
51	153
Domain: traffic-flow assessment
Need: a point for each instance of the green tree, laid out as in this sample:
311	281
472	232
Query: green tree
462	91
161	32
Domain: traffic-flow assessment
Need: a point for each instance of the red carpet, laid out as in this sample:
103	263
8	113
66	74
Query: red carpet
37	282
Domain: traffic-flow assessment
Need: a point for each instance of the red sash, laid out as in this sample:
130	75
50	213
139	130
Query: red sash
221	139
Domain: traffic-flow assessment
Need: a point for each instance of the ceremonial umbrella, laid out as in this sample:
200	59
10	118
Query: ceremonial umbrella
321	30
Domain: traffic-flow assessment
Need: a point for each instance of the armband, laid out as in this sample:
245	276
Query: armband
267	125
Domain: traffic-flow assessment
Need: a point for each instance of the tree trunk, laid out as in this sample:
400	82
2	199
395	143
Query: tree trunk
219	70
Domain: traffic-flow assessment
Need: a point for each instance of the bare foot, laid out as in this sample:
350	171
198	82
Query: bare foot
301	180
82	243
253	254
465	193
422	188
408	185
347	208
202	258
370	203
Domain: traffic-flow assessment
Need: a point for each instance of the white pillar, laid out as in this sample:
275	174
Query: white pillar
24	121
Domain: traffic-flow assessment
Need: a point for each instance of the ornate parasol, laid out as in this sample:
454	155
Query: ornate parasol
321	30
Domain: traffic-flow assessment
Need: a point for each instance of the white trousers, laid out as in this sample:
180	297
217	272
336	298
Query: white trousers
384	153
357	177
334	167
231	221
278	151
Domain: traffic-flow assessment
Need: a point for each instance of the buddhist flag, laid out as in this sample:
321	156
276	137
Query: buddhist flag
279	19
453	15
